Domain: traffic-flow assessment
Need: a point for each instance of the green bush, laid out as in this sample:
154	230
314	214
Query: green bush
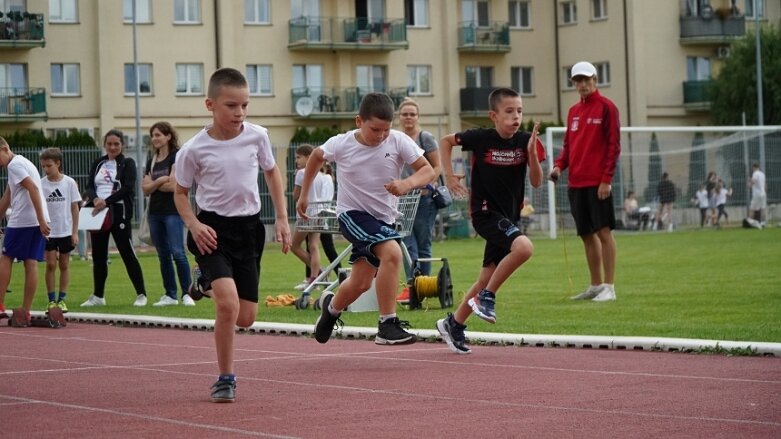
37	139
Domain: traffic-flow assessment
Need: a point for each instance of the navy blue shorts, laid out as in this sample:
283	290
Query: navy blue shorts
62	245
363	231
499	233
24	243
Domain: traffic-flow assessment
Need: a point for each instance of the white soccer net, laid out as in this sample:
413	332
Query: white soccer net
687	154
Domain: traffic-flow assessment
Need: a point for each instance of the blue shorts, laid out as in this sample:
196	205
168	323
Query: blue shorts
363	231
24	243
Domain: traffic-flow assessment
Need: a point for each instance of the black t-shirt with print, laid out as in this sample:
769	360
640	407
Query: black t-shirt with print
162	203
498	177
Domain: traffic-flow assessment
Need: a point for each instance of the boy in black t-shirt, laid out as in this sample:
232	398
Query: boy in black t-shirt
501	156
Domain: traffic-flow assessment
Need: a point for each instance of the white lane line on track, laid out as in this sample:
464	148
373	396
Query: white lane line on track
147	417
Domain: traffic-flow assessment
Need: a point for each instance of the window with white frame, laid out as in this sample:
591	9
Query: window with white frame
13	5
143	11
754	7
259	79
598	9
370	78
63	11
479	76
519	14
416	12
569	12
419	80
187	11
521	80
144	79
257	12
568	84
14	77
65	80
603	73
476	11
308	78
697	68
189	79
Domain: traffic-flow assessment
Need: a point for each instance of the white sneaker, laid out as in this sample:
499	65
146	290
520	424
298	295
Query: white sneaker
302	286
166	300
140	300
94	301
187	300
592	292
608	293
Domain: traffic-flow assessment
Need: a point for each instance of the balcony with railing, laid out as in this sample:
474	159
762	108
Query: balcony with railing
354	33
492	38
22	104
696	94
335	102
712	28
21	30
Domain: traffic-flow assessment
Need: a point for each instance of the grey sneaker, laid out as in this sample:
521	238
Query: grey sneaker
592	292
224	391
483	305
453	334
200	287
607	294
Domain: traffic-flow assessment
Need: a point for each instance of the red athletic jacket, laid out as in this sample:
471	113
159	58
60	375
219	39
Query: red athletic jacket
592	142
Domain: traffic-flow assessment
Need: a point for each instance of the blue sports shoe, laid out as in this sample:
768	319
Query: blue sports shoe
453	334
483	305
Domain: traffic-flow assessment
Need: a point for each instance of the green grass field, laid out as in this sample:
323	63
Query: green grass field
710	284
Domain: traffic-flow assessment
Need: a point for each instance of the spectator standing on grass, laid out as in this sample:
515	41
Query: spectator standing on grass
418	241
722	193
758	195
702	201
591	148
112	185
501	157
227	236
710	186
62	201
665	190
165	225
28	227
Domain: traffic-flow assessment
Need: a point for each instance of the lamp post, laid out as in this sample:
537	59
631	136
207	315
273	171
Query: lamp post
136	99
760	110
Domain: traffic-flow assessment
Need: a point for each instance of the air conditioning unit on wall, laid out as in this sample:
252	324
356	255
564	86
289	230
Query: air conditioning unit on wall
723	52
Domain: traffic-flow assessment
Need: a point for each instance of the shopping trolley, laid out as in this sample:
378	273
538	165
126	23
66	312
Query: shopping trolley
321	218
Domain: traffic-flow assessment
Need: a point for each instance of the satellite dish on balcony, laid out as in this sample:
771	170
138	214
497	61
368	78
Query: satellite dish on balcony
304	106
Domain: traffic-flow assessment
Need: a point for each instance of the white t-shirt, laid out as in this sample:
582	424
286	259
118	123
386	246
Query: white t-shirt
721	197
364	170
60	196
702	199
24	215
104	179
758	183
226	171
317	191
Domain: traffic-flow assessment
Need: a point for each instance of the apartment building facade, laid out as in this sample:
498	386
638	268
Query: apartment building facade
69	64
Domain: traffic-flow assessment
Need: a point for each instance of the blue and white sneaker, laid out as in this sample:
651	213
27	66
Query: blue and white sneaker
483	305
453	334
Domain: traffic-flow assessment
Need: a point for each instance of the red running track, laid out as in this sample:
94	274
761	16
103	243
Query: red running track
103	381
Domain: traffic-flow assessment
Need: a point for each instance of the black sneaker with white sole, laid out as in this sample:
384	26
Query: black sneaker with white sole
200	286
392	332
325	323
453	334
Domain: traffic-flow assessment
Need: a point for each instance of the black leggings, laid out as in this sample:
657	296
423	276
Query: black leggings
124	242
327	241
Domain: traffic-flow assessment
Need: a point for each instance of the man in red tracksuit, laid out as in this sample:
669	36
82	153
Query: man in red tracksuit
591	148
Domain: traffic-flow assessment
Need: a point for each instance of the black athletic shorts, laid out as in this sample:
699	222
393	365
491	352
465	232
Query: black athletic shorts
240	242
591	214
63	245
499	233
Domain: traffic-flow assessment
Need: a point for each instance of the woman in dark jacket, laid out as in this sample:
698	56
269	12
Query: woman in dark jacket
112	184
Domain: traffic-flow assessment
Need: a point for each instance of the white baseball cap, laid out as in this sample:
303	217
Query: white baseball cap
583	68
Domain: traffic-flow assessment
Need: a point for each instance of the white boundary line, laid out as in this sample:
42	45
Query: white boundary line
537	340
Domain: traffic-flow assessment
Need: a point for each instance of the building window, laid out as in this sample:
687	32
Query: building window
63	11
416	12
308	78
187	11
519	14
143	11
13	76
476	11
189	79
259	79
144	79
753	6
697	68
603	73
419	80
598	9
65	80
370	78
569	12
521	78
257	12
479	76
